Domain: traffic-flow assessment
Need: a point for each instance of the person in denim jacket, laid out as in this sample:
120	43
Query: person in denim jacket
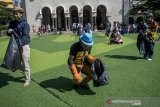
20	26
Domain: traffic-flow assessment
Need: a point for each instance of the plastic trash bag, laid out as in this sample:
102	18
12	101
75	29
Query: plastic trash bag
13	56
99	73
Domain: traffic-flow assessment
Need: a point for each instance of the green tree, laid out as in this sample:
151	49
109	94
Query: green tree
147	6
5	14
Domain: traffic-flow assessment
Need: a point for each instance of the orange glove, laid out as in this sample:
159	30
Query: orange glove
91	58
75	72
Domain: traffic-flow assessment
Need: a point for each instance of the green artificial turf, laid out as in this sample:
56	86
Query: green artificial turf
131	77
42	58
13	94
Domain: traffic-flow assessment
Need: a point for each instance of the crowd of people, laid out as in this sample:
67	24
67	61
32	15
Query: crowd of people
79	29
80	51
43	29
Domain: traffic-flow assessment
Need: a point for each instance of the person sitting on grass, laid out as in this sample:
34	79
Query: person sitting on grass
79	53
115	37
118	37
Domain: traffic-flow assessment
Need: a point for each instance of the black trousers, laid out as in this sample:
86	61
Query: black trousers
149	49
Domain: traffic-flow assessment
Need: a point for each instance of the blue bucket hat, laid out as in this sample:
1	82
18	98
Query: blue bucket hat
87	39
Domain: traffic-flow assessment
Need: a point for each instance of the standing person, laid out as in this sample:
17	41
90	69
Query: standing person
33	29
150	39
101	26
142	30
80	30
21	27
39	33
78	56
108	28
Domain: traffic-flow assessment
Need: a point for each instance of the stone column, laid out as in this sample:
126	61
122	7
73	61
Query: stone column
39	21
79	20
66	23
125	13
52	23
93	19
94	22
66	20
56	23
54	17
80	16
69	23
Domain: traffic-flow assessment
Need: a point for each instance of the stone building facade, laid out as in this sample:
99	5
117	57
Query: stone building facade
61	14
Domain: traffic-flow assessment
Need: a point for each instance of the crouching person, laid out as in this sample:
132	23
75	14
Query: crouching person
80	51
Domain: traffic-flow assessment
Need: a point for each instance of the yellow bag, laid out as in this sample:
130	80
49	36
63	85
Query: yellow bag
152	36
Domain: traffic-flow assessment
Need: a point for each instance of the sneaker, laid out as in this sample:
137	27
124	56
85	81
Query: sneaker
26	83
85	86
149	59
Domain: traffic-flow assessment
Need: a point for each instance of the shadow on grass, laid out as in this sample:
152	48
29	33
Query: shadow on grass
63	84
82	91
5	78
123	57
